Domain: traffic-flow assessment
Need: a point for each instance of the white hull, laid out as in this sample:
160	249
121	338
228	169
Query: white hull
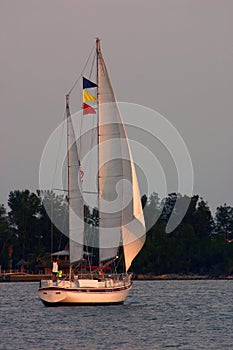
67	293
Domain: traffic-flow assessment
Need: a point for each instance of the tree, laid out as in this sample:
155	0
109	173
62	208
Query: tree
202	220
151	209
23	218
224	220
53	221
5	239
168	205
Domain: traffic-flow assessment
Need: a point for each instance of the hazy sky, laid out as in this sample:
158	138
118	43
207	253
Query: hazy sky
174	56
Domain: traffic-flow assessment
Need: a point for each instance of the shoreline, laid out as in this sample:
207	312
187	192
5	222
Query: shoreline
12	277
176	277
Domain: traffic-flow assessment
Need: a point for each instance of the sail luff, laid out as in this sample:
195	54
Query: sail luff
75	200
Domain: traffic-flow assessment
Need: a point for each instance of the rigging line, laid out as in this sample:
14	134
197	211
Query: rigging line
76	82
89	160
53	181
92	65
79	143
86	244
93	136
59	148
80	131
64	222
90	192
80	135
93	120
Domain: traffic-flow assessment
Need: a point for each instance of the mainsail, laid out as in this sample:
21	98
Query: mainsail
76	223
120	211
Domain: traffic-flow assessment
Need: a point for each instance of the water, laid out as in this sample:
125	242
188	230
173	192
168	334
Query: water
156	315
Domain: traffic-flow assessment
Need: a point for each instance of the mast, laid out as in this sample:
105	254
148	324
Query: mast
68	144
98	129
68	151
68	161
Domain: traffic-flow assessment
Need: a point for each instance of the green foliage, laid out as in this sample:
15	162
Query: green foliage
23	220
53	220
6	239
224	219
198	245
25	233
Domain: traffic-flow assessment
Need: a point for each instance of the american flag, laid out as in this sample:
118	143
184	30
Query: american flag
81	172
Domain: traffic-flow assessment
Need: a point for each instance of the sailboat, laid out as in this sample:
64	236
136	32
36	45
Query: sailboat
122	227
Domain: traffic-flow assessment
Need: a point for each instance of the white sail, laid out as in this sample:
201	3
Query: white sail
133	223
110	168
76	223
120	211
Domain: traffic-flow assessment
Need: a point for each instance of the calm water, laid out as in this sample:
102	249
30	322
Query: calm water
156	315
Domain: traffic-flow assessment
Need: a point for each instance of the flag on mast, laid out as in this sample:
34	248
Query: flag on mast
87	84
87	109
88	97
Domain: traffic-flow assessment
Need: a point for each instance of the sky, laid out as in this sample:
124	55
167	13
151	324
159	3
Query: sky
173	56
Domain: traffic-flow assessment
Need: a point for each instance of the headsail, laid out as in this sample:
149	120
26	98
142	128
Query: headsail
120	211
110	168
76	224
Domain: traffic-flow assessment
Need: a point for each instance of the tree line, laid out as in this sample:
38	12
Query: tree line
25	230
200	244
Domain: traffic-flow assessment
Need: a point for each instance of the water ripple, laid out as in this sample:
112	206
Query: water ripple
157	315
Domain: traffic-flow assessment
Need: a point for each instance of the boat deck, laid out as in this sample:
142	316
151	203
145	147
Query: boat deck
113	281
